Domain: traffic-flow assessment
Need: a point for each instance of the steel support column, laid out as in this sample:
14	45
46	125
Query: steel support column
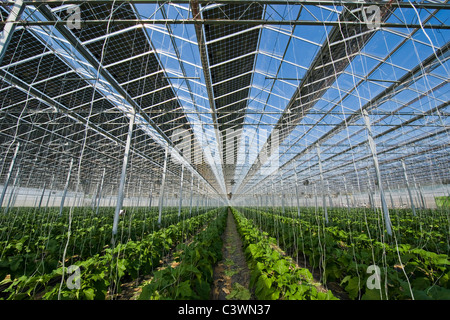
10	26
373	149
8	177
123	175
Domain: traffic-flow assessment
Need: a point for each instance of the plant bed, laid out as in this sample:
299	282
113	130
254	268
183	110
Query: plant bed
274	276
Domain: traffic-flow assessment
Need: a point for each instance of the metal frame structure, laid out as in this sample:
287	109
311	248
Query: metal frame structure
230	78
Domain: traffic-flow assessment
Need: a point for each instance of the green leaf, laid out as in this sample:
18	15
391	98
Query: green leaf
302	291
421	295
372	294
15	263
146	293
254	250
305	274
121	267
275	255
5	281
264	282
444	280
281	267
275	295
333	271
265	292
203	289
190	268
261	266
346	279
442	259
406	257
19	246
438	293
238	292
353	287
89	293
421	283
184	289
298	295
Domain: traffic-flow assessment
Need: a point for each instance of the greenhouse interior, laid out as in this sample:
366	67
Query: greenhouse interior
225	150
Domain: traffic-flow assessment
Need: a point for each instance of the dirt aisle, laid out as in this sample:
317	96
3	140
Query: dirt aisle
231	274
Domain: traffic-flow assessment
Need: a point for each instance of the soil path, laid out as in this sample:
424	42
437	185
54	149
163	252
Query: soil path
231	274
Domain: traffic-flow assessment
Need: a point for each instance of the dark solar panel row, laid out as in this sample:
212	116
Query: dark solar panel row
152	93
231	88
22	46
117	55
328	62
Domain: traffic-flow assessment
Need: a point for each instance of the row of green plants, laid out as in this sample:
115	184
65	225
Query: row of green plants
190	275
32	242
136	221
427	229
344	254
273	275
102	273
